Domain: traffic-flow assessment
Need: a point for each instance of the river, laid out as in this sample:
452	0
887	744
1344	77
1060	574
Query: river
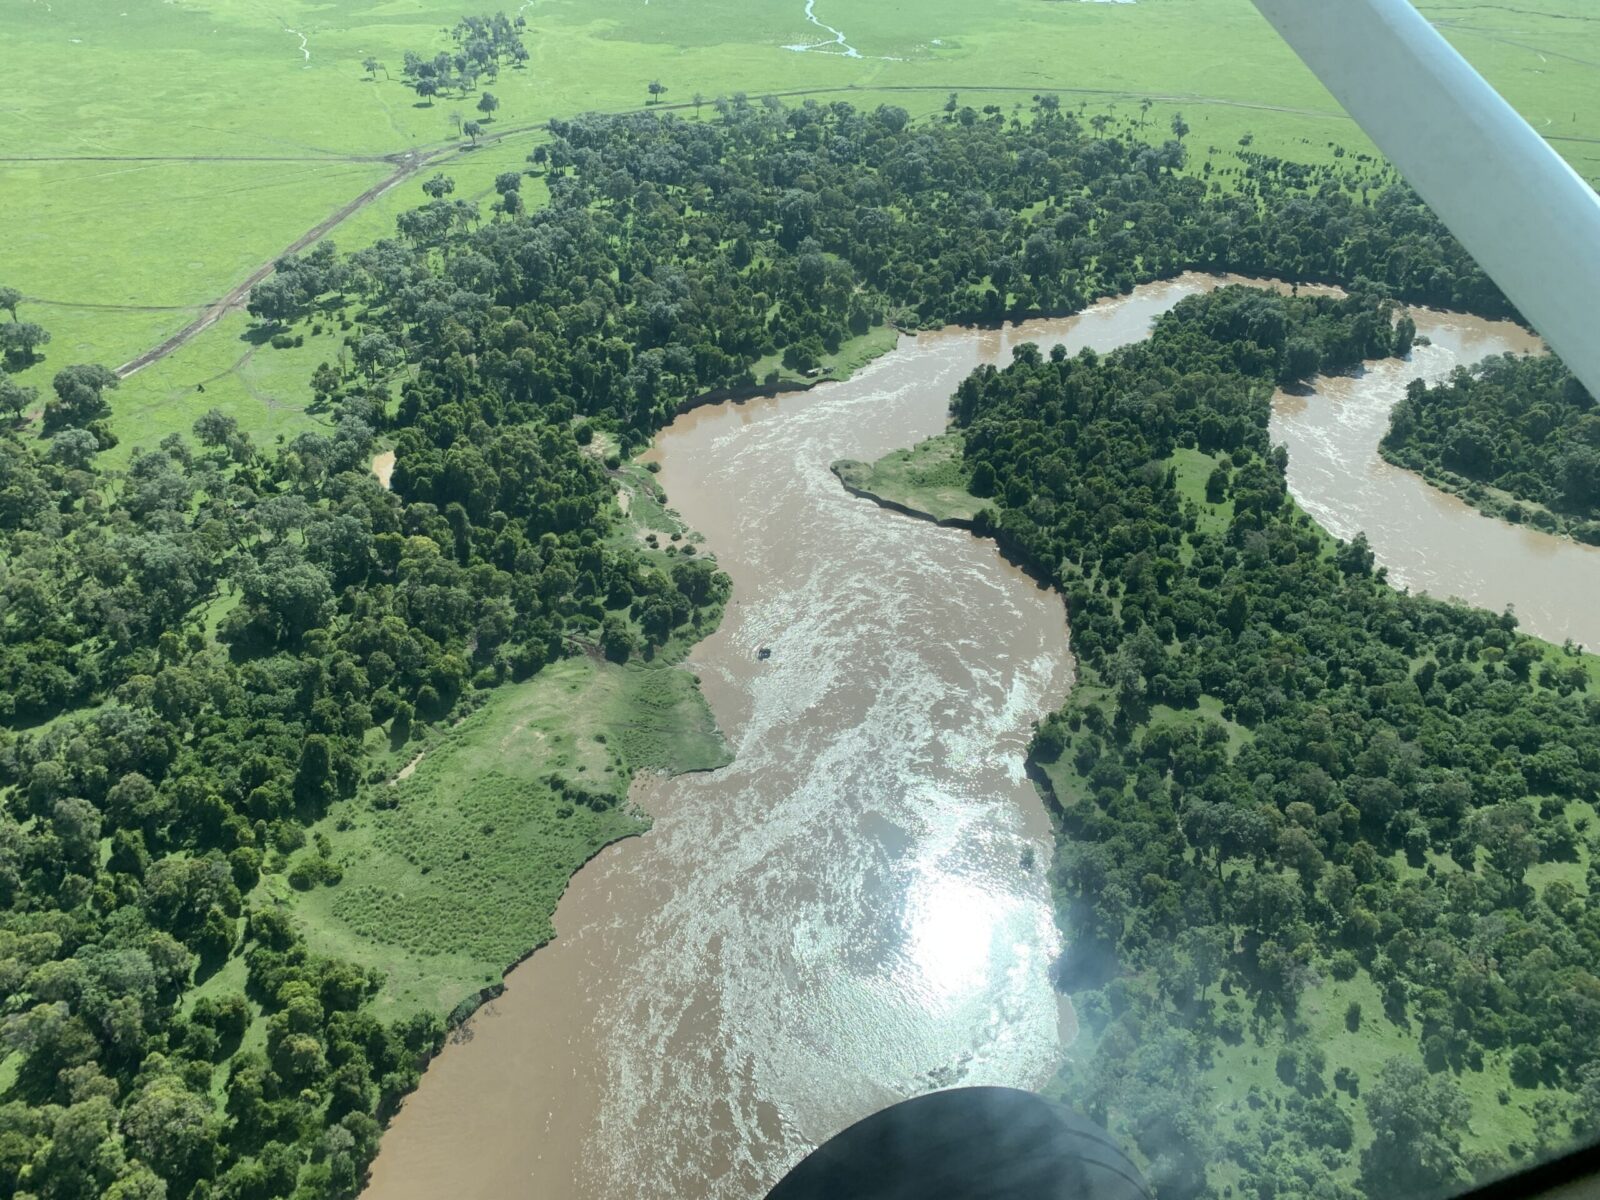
1430	540
855	910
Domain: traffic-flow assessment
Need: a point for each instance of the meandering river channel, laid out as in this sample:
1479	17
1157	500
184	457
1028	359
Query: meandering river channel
856	909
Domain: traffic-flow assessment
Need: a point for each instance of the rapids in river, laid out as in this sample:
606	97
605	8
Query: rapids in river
856	910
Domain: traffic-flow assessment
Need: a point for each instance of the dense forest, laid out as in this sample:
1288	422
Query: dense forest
1278	770
197	649
1505	431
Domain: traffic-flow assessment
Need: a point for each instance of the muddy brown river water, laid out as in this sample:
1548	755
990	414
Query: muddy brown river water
1430	540
856	909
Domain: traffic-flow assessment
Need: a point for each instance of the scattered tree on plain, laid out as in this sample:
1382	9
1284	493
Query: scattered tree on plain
15	397
21	341
80	396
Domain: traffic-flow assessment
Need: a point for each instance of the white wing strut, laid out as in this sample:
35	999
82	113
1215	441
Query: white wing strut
1529	219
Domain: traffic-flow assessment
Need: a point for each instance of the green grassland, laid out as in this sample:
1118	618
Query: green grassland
452	873
929	478
155	152
1194	467
851	356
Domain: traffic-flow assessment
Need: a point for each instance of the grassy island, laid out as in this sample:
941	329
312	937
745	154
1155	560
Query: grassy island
929	480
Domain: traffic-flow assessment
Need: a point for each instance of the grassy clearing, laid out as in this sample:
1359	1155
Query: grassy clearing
1194	467
1252	1066
255	138
452	874
840	365
928	478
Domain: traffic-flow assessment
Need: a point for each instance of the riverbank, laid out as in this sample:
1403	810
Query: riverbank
1496	504
450	877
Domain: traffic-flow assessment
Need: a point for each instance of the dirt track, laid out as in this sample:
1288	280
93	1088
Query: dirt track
413	161
406	166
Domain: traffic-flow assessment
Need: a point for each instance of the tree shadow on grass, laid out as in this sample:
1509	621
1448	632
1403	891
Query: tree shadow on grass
260	335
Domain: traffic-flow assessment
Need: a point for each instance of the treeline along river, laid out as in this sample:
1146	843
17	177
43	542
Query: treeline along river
855	910
203	656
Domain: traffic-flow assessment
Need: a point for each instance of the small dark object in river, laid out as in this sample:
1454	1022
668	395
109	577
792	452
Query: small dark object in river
764	653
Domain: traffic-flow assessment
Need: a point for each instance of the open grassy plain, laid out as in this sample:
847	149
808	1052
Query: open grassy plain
157	152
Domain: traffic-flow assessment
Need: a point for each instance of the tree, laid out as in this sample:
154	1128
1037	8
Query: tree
427	89
15	397
10	297
215	428
74	448
438	187
699	100
172	1129
616	639
1302	358
372	66
1180	127
657	90
487	103
275	299
79	395
472	129
293	597
375	354
1417	1122
140	1183
1586	1110
21	340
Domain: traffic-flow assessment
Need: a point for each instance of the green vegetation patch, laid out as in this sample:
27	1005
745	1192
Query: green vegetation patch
1516	438
929	478
451	874
1202	480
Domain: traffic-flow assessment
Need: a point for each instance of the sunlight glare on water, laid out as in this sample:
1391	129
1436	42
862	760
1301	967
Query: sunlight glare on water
953	928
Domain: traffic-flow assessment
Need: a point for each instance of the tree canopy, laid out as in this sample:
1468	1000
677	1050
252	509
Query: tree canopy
1508	430
195	649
